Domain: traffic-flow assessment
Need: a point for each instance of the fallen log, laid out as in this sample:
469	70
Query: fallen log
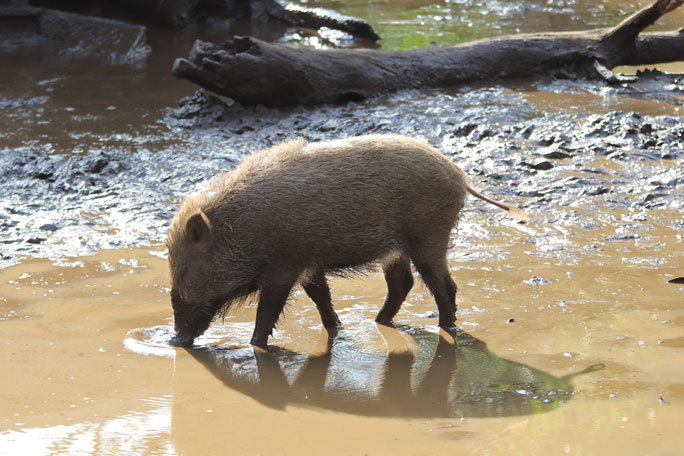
251	71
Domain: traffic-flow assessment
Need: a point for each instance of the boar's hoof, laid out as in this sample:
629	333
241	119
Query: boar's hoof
447	323
259	341
452	330
333	332
384	322
333	324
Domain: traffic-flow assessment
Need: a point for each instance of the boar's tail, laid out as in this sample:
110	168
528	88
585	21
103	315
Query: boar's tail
510	209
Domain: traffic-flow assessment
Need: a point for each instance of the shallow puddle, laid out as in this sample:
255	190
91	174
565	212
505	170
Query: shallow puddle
555	356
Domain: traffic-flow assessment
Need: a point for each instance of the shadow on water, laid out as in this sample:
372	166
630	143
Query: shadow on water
445	377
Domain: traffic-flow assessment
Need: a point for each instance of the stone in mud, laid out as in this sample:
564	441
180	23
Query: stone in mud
465	129
557	155
545	142
541	166
97	165
646	129
200	107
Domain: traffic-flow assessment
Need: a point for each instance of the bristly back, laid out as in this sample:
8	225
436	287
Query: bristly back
225	184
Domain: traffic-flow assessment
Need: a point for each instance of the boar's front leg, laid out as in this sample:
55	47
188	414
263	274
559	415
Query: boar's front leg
318	290
272	298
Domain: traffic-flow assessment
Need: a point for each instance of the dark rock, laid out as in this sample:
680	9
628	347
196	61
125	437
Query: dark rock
97	165
527	132
646	129
77	36
244	129
328	125
557	155
464	130
598	191
650	143
545	142
542	166
43	175
653	196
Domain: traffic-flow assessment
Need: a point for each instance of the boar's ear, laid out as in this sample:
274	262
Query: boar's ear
198	231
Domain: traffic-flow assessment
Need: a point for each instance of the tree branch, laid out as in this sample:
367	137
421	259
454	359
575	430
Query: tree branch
636	23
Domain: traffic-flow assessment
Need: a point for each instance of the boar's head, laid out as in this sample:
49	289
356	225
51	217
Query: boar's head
196	290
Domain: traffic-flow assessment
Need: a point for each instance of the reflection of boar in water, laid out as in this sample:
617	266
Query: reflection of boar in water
297	211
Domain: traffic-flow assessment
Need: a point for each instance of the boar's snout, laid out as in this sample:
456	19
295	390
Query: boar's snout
189	321
178	342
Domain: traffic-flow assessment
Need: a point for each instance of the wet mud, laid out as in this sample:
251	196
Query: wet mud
512	141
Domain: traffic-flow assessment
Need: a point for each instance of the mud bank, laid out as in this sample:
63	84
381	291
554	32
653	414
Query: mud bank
95	156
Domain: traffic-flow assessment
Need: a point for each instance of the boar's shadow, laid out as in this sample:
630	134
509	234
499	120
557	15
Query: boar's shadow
446	377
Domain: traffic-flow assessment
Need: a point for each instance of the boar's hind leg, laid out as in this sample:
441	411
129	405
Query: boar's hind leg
318	290
435	273
272	298
399	282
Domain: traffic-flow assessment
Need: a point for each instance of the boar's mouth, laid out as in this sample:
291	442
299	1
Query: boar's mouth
190	321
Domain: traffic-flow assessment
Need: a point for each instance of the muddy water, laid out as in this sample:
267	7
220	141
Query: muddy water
419	23
555	357
572	338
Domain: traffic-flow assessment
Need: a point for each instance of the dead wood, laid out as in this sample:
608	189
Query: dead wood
255	72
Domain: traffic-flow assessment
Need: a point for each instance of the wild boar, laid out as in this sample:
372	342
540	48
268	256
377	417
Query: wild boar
298	211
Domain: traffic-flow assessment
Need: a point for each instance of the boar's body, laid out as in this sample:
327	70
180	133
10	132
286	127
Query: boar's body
298	211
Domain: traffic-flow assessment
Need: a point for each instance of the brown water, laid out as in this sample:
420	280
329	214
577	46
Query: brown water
592	363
